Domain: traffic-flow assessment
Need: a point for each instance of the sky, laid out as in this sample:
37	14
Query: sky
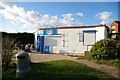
30	16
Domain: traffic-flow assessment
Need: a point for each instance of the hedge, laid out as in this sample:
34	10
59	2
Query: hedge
105	49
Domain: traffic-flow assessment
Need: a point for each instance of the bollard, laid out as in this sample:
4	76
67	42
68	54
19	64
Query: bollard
23	65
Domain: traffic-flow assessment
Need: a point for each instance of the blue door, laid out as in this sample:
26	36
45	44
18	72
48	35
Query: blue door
40	43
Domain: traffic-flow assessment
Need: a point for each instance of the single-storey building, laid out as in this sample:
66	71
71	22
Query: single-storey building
72	39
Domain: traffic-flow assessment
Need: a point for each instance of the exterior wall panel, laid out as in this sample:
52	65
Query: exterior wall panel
67	40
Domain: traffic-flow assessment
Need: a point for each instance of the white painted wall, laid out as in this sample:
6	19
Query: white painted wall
101	34
35	41
71	37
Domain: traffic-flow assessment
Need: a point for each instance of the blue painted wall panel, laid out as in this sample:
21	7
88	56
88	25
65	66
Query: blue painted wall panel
46	49
89	31
50	32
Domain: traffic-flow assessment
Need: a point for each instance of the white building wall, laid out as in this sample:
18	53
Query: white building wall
101	33
71	37
35	41
72	44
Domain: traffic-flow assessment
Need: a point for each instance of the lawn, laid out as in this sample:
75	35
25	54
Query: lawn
59	70
114	63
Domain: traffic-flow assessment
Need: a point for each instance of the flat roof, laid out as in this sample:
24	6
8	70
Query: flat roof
69	27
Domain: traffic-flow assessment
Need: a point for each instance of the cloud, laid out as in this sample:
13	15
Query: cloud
30	21
80	24
103	22
4	4
67	16
67	20
20	15
10	30
105	16
54	21
80	14
1	29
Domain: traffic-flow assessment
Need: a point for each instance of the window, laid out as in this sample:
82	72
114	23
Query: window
89	37
63	43
113	27
53	40
80	37
63	40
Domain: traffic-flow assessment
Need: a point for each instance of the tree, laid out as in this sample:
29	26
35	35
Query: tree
8	45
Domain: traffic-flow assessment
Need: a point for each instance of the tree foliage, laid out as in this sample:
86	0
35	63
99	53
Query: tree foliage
8	45
9	40
23	38
105	49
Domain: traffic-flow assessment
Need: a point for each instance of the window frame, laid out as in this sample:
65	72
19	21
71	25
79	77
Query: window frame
80	37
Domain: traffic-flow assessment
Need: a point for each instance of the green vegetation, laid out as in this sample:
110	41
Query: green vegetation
111	30
23	38
59	70
105	49
10	41
114	63
8	45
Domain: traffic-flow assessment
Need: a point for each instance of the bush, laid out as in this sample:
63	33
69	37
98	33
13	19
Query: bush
105	49
8	45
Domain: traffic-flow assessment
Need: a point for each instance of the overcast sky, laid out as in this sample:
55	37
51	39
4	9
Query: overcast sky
30	16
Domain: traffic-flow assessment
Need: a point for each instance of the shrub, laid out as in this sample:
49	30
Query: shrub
105	49
8	46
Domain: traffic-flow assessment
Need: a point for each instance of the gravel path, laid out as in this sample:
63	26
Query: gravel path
103	68
50	57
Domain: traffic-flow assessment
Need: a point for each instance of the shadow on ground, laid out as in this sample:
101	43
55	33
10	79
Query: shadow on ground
59	70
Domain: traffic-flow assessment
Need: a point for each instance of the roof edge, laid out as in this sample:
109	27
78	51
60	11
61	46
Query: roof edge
68	27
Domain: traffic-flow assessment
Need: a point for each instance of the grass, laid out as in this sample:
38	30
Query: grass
83	57
58	70
114	63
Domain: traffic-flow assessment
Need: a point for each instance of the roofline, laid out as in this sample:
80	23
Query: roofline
117	22
113	22
69	27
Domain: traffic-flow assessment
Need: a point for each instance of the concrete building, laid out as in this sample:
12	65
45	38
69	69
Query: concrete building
74	39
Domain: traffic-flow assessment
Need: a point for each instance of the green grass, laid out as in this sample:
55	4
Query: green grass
114	63
59	70
83	57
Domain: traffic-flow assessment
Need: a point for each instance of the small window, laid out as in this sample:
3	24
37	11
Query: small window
80	37
63	40
113	27
89	38
63	43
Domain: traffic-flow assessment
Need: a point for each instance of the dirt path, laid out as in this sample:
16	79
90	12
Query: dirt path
103	68
50	57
